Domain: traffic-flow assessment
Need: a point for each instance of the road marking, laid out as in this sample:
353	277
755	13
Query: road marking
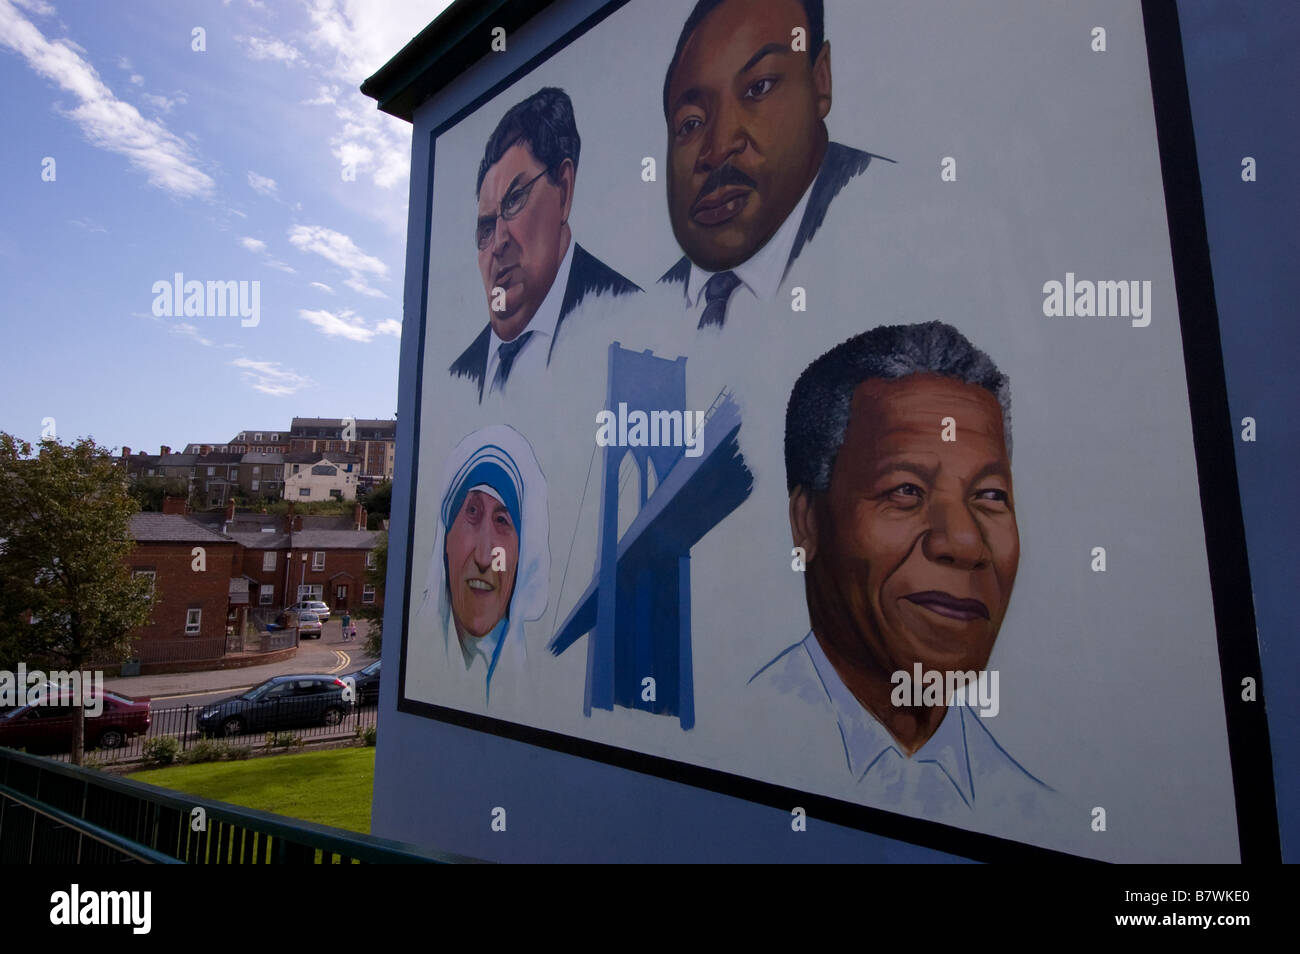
344	661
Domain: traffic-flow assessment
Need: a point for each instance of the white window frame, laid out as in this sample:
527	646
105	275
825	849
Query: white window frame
268	561
257	438
266	595
304	491
371	563
254	486
318	560
193	622
368	593
212	471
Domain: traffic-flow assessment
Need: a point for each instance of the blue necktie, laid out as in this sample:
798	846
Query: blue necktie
716	292
507	354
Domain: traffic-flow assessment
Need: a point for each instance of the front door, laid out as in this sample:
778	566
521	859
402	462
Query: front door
341	598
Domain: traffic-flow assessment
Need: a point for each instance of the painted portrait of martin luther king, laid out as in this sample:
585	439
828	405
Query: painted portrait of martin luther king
912	549
751	166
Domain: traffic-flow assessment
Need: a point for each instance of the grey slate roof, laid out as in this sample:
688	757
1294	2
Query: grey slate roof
333	539
172	528
255	540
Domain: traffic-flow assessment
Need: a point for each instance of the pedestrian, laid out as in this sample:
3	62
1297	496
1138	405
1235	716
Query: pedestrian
352	631
347	624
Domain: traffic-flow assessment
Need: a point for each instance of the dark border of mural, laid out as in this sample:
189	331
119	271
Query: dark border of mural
1213	438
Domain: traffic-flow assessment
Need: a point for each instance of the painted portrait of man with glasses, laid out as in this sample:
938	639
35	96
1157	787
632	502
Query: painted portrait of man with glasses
534	274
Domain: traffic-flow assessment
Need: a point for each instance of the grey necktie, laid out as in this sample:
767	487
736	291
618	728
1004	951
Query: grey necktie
507	353
716	292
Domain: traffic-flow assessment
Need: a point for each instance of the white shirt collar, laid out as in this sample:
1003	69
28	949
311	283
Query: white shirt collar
547	316
866	740
763	271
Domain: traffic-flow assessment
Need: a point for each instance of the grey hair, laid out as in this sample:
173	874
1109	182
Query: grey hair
818	413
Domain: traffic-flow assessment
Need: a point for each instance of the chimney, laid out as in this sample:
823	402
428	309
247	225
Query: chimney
288	518
230	510
164	451
359	516
126	452
176	505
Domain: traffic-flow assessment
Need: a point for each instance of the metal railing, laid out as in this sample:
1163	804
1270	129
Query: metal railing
56	813
304	720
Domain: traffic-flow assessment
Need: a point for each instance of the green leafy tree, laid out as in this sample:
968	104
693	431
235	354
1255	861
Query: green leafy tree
375	614
67	596
379	502
150	491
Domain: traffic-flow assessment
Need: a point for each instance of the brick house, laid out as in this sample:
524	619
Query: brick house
254	566
194	596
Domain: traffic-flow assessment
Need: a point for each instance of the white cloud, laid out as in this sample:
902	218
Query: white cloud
106	121
190	331
346	324
165	104
389	326
359	37
38	7
263	184
282	266
260	48
358	284
253	245
326	96
337	248
322	286
137	79
89	225
269	378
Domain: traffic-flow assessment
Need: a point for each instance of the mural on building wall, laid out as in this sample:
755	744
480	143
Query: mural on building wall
821	599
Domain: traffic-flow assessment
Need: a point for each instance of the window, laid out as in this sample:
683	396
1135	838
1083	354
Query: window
153	578
304	491
318	560
268	558
233	473
241	435
193	619
150	474
310	591
370	559
274	438
295	468
257	438
212	471
255	483
368	593
257	471
267	596
336	494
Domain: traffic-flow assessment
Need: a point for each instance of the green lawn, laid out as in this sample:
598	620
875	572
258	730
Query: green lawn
330	788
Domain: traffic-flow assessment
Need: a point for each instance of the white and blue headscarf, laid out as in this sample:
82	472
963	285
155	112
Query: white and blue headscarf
499	461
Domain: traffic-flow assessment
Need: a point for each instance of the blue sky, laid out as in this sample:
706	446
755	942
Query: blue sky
226	164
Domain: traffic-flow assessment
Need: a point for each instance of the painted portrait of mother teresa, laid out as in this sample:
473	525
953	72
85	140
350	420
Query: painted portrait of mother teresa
490	572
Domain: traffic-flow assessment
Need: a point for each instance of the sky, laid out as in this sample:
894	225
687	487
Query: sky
225	140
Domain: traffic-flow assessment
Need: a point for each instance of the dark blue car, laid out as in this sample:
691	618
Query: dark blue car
281	702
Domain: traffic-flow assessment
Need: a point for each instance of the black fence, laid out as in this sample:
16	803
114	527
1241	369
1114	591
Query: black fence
51	813
118	738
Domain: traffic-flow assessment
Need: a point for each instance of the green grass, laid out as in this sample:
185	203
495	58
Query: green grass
330	788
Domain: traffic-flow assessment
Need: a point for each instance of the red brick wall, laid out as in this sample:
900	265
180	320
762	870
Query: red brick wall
180	588
251	566
342	567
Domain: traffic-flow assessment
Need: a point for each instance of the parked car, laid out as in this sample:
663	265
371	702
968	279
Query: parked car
319	607
279	703
48	728
309	624
367	683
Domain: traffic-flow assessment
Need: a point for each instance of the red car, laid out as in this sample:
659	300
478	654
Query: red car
48	728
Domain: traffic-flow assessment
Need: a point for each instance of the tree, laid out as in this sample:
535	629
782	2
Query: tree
375	614
150	491
379	502
67	595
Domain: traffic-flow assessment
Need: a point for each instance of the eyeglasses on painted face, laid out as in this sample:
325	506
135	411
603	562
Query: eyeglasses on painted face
511	206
